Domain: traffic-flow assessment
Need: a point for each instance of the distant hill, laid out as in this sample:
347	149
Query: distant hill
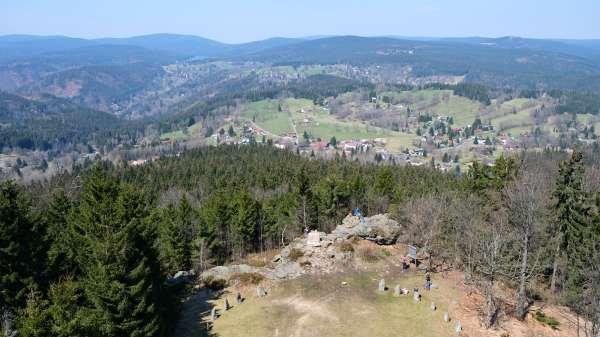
50	123
579	48
511	65
174	45
19	46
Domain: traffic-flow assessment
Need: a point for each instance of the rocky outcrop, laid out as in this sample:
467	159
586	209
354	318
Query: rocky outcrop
225	272
378	228
318	252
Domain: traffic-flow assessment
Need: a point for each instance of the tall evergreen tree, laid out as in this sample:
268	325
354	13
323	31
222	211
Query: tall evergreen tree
121	279
20	254
574	223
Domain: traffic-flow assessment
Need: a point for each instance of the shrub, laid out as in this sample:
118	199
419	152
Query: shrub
541	317
346	247
295	254
386	252
214	284
248	278
368	254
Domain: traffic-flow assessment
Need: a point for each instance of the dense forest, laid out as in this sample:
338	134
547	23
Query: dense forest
88	253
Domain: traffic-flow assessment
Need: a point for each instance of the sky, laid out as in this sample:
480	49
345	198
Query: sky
236	21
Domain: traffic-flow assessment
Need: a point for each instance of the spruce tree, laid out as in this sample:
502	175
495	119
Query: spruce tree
574	224
121	277
19	248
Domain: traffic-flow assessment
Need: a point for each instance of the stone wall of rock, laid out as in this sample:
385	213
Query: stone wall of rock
378	228
318	252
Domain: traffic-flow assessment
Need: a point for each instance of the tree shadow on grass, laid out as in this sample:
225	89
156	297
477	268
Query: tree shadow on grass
194	320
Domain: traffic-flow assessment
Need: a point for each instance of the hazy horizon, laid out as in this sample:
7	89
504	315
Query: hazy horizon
234	21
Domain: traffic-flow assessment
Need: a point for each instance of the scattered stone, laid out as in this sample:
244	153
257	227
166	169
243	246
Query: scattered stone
344	283
213	314
397	291
433	307
276	258
458	328
382	285
226	305
238	298
416	296
261	292
446	317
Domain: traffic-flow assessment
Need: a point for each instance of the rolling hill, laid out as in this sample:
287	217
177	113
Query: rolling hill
50	123
512	65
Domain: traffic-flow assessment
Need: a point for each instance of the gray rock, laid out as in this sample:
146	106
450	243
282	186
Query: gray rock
238	298
224	272
182	277
213	314
276	258
261	292
433	307
378	228
286	271
285	252
397	290
446	317
416	296
458	328
382	285
226	305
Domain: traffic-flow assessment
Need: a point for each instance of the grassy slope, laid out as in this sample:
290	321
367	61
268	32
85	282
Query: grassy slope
321	306
321	125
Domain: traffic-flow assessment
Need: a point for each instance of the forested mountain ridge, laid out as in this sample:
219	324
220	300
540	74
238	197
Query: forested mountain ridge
526	67
50	123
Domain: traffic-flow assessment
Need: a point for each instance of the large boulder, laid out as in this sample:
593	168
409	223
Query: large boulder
285	271
378	228
225	272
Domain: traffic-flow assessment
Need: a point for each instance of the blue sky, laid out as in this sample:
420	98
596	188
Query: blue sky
246	20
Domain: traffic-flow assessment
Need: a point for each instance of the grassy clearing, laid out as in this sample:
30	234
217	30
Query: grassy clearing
320	123
322	306
442	103
173	135
266	114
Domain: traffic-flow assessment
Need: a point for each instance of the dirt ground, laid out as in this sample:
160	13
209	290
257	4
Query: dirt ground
348	303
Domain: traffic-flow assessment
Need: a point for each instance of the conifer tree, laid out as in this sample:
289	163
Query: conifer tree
19	248
574	223
121	279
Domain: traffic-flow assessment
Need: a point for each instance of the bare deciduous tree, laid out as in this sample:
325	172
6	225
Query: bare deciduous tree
527	200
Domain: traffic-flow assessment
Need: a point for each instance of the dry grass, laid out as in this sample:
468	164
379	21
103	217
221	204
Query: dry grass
347	247
260	260
214	284
247	278
321	306
368	254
